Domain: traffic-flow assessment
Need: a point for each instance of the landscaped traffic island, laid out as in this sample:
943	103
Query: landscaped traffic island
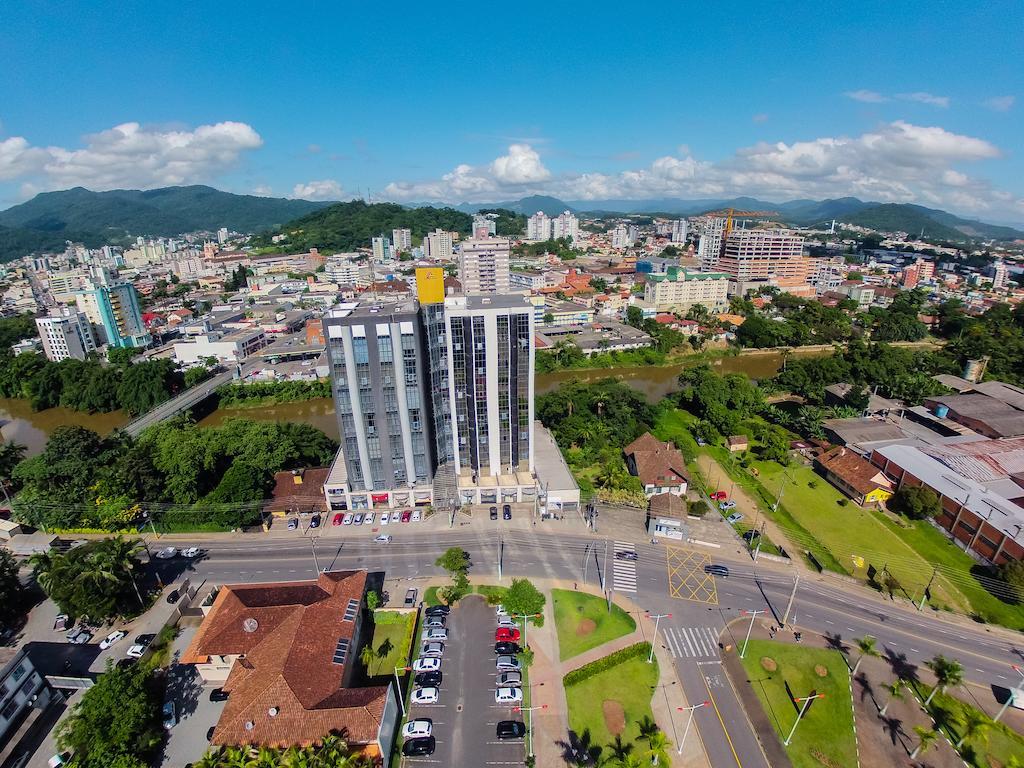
583	622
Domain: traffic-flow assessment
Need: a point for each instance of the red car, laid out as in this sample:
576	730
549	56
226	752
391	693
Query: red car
506	635
718	495
336	520
406	516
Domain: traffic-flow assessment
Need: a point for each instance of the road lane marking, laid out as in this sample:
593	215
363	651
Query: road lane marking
728	738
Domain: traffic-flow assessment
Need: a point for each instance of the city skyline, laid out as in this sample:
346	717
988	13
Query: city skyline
683	104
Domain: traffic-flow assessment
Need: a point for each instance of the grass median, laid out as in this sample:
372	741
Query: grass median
584	622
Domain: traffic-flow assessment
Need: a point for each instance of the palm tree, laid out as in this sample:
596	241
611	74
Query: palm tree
619	749
647	727
866	646
46	566
927	737
629	761
975	725
367	655
895	690
657	748
210	760
947	673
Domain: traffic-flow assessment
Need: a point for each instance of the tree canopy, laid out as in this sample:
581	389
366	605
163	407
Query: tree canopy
915	502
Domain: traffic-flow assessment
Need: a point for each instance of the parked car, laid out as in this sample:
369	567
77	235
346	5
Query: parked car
438	610
136	651
750	535
382	539
734	518
358	519
61	622
718	495
426	665
625	555
419	747
701	441
406	516
191	552
145	640
110	639
80	637
217	694
716	570
170	715
508	695
510	729
410	597
510	679
347	519
499	610
166	553
506	512
336	520
727	505
416	515
506	664
384	518
424	696
506	635
506	621
314	522
293	523
435	633
173	596
435	649
430	679
494	513
368	518
506	649
435	622
417	729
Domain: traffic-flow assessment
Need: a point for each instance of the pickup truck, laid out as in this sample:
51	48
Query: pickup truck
410	597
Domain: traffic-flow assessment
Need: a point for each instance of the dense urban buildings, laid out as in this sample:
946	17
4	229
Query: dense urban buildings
112	306
66	335
752	256
483	265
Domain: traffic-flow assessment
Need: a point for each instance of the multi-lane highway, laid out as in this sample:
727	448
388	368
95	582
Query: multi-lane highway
664	579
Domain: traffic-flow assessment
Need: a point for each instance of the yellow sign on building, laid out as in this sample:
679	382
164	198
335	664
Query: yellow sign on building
430	285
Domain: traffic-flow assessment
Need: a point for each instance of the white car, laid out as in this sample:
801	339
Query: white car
368	518
435	633
347	519
510	679
424	696
426	665
167	553
416	515
190	552
136	652
506	621
384	518
508	695
432	649
383	539
417	729
506	664
110	639
499	610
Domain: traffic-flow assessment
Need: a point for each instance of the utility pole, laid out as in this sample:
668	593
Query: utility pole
501	553
804	702
657	620
753	615
792	597
398	688
760	538
316	563
924	595
1015	692
604	570
692	709
526	618
586	561
529	724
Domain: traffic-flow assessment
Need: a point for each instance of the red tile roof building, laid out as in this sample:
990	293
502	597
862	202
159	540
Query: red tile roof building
659	466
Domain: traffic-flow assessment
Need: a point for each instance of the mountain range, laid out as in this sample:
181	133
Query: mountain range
49	219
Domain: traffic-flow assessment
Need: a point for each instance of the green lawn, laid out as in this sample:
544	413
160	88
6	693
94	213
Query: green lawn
430	596
629	685
993	749
392	638
827	727
583	622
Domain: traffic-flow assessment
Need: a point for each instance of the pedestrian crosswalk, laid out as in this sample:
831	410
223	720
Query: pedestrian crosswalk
624	571
691	642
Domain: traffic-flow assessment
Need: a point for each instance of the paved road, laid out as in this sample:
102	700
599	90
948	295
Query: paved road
688	635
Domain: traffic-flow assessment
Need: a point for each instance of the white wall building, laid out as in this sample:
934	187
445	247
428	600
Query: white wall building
401	239
709	247
680	228
483	265
678	290
344	269
565	225
1000	275
484	226
538	227
381	248
621	237
438	245
228	347
66	336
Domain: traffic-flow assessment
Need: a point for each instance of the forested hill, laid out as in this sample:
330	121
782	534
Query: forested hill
347	226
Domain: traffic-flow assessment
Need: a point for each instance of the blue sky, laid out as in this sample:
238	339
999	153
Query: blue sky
914	101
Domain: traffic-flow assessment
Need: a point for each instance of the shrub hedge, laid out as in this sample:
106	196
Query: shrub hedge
605	663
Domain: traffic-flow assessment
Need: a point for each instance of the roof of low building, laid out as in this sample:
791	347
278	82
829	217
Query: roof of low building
299	490
286	636
853	470
657	463
668	505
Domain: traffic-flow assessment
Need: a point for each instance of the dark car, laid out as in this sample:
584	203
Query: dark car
428	679
315	522
144	640
510	729
506	649
625	555
418	747
716	570
750	535
217	694
172	596
506	512
494	513
438	610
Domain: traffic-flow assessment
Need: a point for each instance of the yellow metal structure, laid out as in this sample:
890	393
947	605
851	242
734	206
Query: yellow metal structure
430	285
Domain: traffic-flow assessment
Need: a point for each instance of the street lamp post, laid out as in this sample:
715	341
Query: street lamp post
804	703
792	597
753	615
689	721
525	617
529	724
1013	693
657	620
398	688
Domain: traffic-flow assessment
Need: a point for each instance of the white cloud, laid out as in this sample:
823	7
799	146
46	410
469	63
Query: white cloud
521	165
325	189
925	98
1000	103
760	117
263	190
868	97
129	155
897	162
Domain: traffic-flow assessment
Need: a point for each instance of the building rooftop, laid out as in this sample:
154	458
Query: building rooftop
552	471
657	463
300	490
488	301
853	470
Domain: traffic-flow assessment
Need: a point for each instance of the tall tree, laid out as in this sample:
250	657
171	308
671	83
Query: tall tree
948	673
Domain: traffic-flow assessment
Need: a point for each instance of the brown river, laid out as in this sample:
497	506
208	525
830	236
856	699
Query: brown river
20	424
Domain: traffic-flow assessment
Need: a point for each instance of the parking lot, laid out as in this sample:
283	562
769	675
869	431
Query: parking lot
465	716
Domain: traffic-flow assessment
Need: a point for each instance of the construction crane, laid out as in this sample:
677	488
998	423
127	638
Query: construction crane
730	213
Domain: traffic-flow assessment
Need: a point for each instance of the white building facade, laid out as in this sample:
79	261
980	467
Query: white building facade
483	265
538	227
